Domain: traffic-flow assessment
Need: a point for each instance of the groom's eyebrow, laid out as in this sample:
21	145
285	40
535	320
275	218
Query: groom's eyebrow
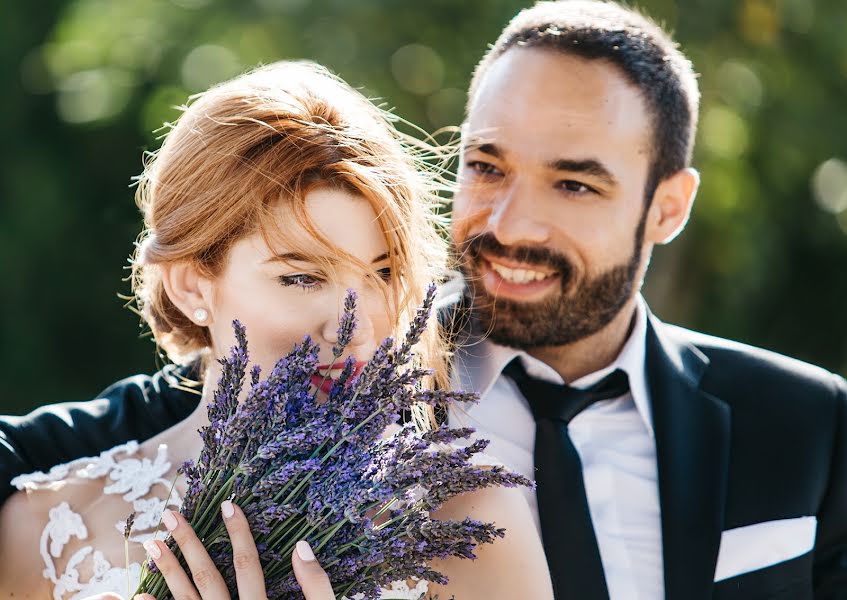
588	166
484	147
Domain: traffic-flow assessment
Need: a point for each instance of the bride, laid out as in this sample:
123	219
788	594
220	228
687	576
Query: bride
272	195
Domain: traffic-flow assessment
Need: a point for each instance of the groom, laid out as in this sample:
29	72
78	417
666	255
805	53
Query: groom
691	467
684	466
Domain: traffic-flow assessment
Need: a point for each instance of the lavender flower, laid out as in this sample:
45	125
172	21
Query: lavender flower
318	469
347	325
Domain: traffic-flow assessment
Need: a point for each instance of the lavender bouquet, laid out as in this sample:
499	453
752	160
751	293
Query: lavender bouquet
320	470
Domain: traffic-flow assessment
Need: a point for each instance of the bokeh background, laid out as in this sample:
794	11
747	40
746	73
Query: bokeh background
85	83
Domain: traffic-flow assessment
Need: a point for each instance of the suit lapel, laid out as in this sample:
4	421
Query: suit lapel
692	432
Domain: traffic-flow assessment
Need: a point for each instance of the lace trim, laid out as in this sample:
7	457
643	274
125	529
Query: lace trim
400	590
98	467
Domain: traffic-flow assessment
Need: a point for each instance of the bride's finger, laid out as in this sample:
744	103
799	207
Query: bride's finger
204	573
245	557
179	583
312	578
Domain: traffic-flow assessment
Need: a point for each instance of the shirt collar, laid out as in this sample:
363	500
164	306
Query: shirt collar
480	364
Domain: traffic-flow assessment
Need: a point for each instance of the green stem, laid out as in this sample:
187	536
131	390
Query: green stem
210	484
277	534
288	548
126	557
335	357
201	522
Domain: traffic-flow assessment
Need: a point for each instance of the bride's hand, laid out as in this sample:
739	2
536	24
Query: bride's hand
206	582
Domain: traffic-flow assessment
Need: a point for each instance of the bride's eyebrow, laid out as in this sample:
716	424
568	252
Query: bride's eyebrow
289	257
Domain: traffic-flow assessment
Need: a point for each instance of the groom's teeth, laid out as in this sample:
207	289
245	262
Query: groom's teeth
518	275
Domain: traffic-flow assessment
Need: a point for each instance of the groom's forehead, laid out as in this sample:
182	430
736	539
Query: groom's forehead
547	96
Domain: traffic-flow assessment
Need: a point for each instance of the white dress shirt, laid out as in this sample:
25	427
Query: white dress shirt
615	442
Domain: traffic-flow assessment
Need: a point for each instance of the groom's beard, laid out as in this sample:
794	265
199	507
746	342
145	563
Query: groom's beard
575	312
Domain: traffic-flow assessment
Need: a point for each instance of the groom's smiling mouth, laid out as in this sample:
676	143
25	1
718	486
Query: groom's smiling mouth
515	280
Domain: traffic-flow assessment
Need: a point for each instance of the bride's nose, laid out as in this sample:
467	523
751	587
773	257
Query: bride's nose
363	334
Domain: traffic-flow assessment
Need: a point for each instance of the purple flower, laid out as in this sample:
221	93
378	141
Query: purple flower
347	324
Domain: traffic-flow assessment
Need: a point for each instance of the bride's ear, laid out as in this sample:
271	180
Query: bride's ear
189	290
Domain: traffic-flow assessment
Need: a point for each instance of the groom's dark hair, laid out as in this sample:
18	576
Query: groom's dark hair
644	53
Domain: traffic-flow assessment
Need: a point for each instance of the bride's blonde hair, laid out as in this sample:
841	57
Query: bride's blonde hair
268	137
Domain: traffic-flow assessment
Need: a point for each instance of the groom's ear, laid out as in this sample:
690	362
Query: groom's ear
671	206
187	288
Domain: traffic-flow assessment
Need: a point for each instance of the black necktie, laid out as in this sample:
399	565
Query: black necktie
566	529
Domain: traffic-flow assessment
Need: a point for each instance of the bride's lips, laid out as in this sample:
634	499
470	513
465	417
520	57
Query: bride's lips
323	378
516	281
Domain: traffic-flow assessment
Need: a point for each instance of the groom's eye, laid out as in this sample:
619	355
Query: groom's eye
575	187
483	168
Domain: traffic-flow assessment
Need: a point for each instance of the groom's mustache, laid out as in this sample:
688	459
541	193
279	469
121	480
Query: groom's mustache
473	248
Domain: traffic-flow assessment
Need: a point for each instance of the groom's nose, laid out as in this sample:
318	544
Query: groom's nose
513	218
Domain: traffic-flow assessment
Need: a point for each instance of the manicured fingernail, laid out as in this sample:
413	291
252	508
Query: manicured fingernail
153	550
304	551
169	519
227	509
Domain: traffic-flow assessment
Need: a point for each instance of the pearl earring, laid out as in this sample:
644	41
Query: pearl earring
200	315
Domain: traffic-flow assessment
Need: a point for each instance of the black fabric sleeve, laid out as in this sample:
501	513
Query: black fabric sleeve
136	408
830	563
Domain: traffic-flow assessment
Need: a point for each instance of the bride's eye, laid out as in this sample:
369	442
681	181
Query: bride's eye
300	280
384	273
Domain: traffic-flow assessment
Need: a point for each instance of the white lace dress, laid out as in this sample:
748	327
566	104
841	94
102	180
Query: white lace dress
77	569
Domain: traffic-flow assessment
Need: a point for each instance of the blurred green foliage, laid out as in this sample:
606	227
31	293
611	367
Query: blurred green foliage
86	82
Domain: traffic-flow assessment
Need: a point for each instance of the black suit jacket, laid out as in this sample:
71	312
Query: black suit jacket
743	436
135	408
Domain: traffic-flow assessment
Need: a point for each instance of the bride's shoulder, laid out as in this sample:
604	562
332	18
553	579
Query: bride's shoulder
75	515
20	574
38	521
